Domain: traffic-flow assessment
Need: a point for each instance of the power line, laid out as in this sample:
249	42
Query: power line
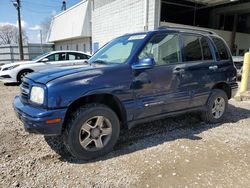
39	4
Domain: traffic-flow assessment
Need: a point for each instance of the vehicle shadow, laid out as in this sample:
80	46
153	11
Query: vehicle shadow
155	133
11	84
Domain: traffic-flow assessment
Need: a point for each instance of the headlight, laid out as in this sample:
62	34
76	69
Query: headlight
10	68
37	95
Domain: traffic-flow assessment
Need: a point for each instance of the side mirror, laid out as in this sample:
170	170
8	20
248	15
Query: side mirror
143	64
44	60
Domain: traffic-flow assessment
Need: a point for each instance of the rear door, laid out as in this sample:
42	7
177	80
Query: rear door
199	70
224	70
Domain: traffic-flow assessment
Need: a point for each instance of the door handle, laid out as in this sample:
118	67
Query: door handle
178	70
213	67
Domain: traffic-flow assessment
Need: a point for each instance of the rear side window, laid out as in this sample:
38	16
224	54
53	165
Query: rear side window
221	48
76	56
207	55
192	48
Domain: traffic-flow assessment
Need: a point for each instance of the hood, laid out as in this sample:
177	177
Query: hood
46	76
16	63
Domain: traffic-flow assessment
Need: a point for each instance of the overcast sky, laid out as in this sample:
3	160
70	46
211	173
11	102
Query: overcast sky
33	13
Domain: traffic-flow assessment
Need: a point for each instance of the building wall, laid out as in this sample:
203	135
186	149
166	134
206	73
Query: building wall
112	18
71	23
80	44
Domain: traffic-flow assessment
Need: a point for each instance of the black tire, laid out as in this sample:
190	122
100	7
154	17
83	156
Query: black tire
74	128
208	116
21	74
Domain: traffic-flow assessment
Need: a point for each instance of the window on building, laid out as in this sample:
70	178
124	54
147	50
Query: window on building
222	52
84	47
60	47
163	48
191	48
76	47
67	47
207	54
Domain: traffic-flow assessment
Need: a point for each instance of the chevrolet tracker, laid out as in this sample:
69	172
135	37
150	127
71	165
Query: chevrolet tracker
133	79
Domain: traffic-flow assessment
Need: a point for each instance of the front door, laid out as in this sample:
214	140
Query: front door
158	90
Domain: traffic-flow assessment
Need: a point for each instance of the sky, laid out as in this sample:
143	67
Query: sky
33	13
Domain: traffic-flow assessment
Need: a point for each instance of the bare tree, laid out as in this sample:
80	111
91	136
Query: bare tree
45	26
9	34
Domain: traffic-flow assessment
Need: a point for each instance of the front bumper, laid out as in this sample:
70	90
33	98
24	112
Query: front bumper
7	77
34	119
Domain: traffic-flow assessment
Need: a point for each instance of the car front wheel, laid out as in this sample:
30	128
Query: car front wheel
22	74
216	107
92	131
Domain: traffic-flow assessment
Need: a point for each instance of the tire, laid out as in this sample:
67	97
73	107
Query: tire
21	74
83	134
216	107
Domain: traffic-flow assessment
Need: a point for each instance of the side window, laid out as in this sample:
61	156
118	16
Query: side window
76	56
192	48
51	57
60	57
163	48
221	48
207	55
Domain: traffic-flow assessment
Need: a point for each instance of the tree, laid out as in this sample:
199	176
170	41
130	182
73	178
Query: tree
9	34
45	26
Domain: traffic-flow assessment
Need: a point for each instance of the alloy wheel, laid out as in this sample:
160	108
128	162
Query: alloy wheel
95	133
218	107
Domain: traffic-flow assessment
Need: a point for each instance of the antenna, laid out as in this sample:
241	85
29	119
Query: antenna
63	6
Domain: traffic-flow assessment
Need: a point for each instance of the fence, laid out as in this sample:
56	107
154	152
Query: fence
10	53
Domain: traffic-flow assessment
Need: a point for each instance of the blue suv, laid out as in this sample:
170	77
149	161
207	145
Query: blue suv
133	79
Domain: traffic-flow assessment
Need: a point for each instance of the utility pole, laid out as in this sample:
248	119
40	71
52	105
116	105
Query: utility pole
41	40
18	5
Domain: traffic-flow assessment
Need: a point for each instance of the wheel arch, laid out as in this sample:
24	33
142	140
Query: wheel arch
23	70
109	100
225	87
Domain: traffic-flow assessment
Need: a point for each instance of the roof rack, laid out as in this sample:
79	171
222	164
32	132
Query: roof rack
188	29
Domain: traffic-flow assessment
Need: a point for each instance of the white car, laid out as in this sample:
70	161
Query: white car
14	72
238	62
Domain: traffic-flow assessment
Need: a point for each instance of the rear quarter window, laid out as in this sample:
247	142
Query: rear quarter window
222	51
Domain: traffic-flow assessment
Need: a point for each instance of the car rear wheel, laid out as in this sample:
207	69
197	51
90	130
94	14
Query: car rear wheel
216	107
92	131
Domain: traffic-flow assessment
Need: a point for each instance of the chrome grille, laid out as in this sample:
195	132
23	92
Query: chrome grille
25	88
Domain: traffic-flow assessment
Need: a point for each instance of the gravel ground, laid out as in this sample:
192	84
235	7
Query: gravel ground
175	152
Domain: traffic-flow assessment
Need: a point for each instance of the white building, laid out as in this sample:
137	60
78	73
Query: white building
95	22
71	29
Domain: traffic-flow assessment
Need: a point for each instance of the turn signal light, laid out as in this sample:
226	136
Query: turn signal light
51	121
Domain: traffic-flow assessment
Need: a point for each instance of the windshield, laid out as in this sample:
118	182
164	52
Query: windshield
118	50
40	56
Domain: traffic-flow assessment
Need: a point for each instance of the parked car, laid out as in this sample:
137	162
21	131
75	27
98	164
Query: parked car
238	62
133	79
14	72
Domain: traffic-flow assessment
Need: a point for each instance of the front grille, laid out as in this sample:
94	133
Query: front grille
25	88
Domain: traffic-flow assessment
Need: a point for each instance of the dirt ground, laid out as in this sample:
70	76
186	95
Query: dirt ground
175	152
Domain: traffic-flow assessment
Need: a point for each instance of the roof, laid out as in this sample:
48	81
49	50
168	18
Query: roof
212	2
71	23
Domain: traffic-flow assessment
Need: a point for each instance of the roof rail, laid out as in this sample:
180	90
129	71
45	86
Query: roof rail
187	28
